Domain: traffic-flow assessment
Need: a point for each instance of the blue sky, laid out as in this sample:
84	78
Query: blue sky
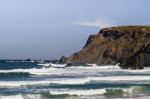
48	29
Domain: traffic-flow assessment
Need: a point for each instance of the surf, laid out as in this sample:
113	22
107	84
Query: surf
80	81
76	70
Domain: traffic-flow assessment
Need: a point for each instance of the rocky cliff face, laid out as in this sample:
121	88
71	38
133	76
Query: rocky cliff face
127	45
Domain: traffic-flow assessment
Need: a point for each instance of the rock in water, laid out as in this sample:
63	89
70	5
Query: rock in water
127	45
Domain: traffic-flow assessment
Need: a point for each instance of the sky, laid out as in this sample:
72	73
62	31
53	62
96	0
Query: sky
48	29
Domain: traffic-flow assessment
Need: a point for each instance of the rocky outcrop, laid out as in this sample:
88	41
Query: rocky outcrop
127	45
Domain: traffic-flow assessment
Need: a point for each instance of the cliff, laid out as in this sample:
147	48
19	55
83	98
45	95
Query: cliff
127	45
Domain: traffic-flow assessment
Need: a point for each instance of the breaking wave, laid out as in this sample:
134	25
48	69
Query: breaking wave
97	93
73	70
78	81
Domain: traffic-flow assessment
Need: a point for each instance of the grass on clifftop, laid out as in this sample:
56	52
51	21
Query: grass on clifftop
130	28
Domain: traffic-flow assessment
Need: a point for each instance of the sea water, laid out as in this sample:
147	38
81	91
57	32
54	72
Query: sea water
27	80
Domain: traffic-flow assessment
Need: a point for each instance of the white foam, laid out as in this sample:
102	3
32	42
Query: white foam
51	71
43	82
89	92
74	92
45	65
12	97
79	92
58	65
70	81
22	96
35	71
82	70
94	66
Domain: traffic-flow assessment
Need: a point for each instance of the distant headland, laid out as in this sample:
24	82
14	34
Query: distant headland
127	45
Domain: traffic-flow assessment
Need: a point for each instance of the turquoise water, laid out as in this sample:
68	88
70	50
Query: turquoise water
27	80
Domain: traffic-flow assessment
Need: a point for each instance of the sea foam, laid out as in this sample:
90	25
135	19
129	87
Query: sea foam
74	70
22	96
79	92
75	81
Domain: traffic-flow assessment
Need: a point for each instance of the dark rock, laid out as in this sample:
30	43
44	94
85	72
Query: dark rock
63	59
127	45
78	64
140	68
28	59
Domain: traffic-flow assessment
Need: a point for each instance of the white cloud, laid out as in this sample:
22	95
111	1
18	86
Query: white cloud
98	22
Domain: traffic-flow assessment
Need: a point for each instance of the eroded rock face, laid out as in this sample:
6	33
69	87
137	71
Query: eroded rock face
127	45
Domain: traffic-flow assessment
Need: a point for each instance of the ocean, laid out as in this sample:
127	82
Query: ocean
28	80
